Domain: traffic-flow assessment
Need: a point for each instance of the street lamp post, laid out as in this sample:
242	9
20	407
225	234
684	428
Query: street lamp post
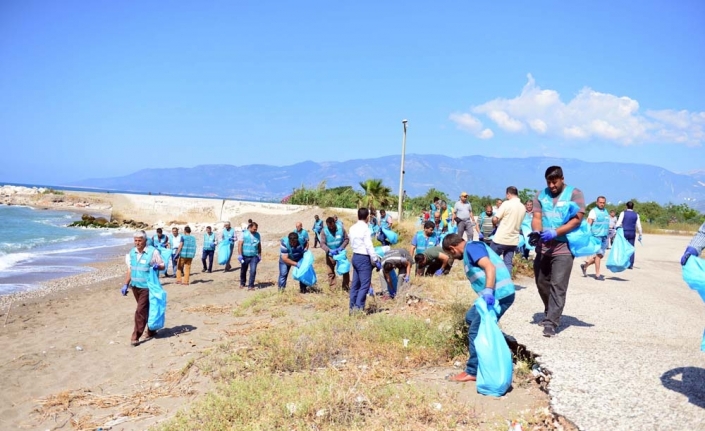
401	174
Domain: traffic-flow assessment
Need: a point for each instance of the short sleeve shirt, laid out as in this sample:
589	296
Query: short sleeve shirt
463	210
475	251
555	247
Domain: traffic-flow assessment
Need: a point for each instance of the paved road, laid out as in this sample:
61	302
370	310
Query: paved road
627	355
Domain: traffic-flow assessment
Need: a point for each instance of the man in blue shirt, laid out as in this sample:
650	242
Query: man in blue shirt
290	254
490	278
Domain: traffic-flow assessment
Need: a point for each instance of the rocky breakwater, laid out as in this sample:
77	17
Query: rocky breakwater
41	197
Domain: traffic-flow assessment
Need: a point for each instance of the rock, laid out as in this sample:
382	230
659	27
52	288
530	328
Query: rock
79	348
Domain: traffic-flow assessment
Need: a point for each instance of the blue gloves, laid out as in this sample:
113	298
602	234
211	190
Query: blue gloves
231	239
689	251
640	240
481	236
378	264
241	259
124	290
488	296
333	252
548	235
407	278
155	267
439	272
298	264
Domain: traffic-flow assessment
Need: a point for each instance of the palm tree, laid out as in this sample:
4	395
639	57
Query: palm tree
376	194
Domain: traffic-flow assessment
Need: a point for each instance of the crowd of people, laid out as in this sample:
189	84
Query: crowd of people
446	235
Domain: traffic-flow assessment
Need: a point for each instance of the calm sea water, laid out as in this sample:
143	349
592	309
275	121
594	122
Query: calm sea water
36	245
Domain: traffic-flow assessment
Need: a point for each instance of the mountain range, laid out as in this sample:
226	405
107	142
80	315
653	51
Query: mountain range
477	175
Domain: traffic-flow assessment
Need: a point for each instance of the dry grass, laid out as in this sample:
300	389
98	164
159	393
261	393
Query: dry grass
210	309
672	229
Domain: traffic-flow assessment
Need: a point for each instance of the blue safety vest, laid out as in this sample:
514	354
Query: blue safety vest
139	270
209	241
294	253
250	243
189	248
318	226
157	242
423	242
503	279
384	223
552	217
333	241
601	225
303	236
227	234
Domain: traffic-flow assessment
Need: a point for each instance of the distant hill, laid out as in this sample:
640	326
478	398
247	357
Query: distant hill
475	174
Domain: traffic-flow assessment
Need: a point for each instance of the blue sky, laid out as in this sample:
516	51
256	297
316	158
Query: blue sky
99	89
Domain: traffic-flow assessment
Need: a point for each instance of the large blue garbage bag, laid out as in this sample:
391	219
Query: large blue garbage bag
581	242
381	250
305	272
495	367
223	252
166	257
621	252
157	302
525	231
343	264
392	237
694	276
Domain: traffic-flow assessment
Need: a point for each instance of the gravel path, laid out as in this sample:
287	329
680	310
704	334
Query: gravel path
627	355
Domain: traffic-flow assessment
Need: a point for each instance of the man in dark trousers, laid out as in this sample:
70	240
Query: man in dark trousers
629	221
334	240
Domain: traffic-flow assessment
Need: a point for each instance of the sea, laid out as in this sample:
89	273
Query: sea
36	245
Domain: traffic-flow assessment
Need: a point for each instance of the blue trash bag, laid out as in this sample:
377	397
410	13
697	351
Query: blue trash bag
343	264
305	272
392	237
694	276
525	231
166	257
581	242
395	283
621	252
453	229
381	250
495	367
157	302
223	252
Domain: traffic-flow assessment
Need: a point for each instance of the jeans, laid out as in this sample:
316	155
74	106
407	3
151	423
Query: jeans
174	263
472	318
251	263
467	227
316	241
227	264
631	239
552	274
284	274
362	279
207	255
506	252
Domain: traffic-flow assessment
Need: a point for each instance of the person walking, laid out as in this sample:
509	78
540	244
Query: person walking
613	227
174	241
462	213
398	258
186	252
290	254
554	261
490	279
508	221
599	222
424	239
696	246
317	228
161	241
140	260
209	243
249	254
629	221
229	235
528	216
302	234
364	257
334	240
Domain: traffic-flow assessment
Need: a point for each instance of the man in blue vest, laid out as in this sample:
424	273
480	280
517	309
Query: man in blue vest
302	234
249	255
384	222
599	221
554	261
334	240
629	221
696	246
317	228
140	260
424	239
187	251
290	254
490	279
209	243
229	235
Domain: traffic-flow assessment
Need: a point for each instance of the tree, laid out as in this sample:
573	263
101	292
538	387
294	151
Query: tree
377	195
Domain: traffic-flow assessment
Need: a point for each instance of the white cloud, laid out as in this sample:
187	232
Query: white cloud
589	115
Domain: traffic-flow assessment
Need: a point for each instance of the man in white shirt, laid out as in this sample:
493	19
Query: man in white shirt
364	257
508	219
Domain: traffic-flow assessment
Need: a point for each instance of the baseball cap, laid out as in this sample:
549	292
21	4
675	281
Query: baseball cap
464	194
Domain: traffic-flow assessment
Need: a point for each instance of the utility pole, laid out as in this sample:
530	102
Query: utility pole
401	174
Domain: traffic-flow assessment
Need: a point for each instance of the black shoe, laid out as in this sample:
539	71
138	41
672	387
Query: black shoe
204	270
549	331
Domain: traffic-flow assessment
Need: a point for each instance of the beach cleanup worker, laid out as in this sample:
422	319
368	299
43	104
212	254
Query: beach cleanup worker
187	251
140	260
334	240
338	222
160	240
174	241
364	257
302	234
434	261
508	221
485	226
599	221
398	258
384	222
462	213
490	279
249	254
209	243
317	228
441	226
424	239
613	227
629	221
696	246
290	254
528	216
229	235
554	261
